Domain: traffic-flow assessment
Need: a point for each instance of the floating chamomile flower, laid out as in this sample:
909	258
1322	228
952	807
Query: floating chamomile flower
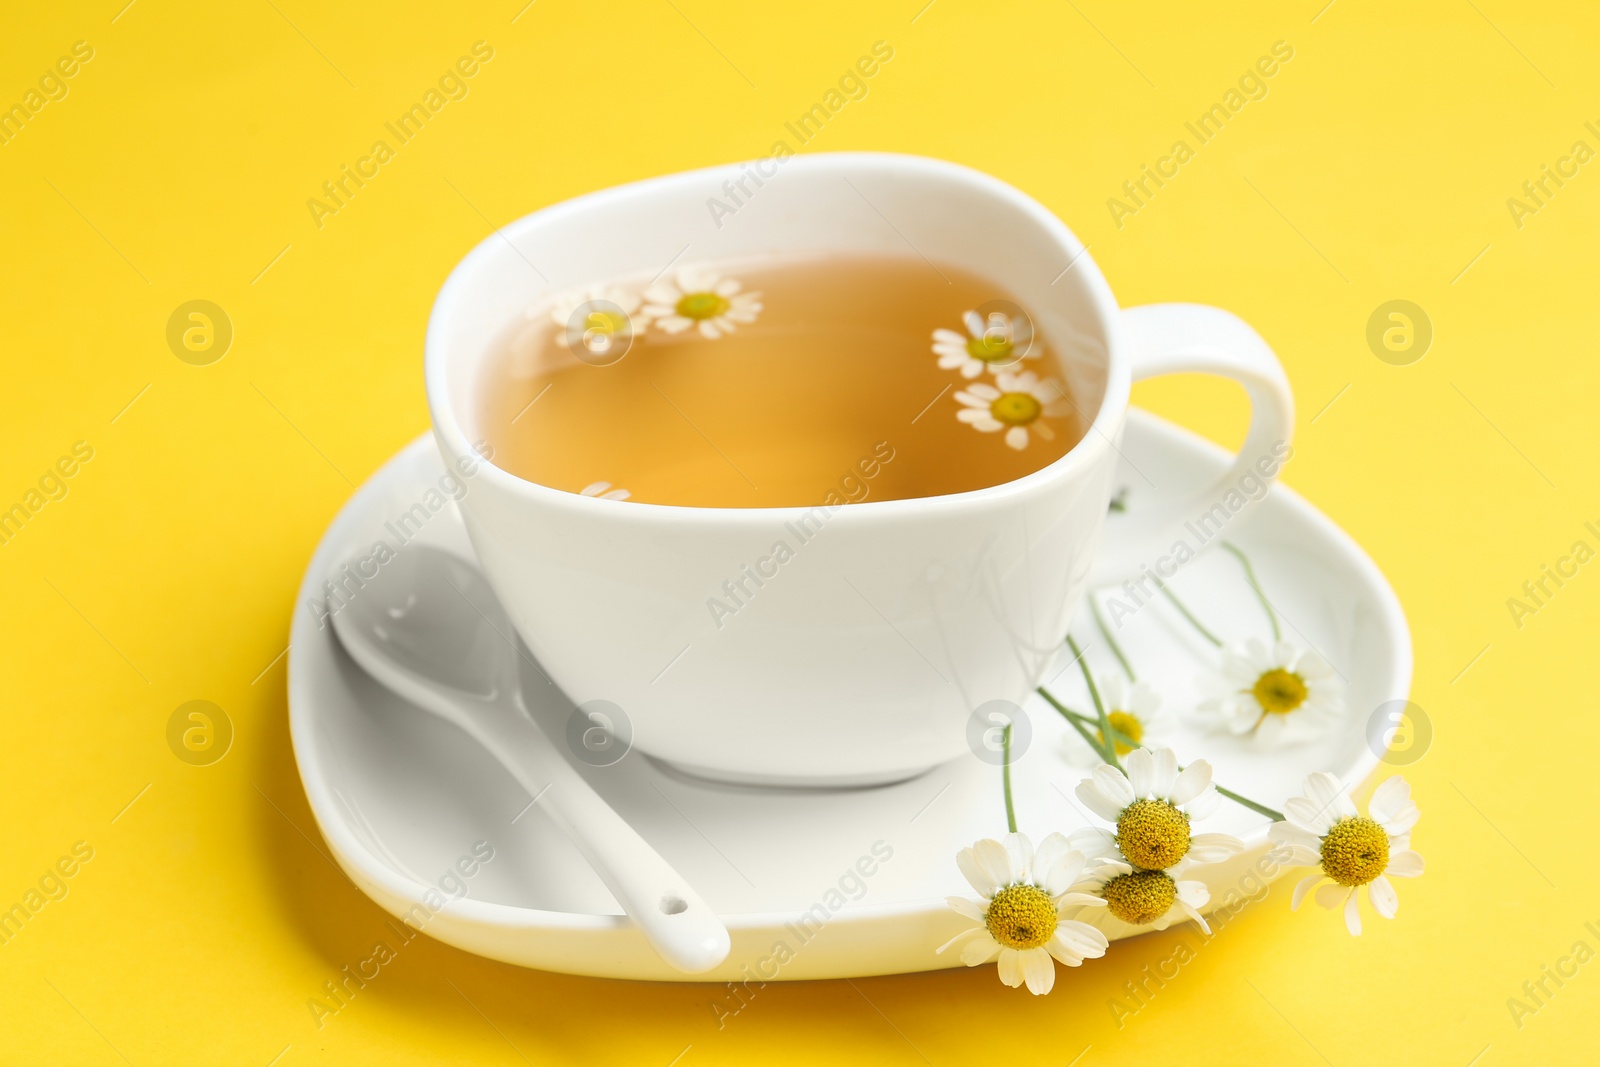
1134	709
702	299
1281	692
598	323
1324	829
1016	403
1150	808
1019	916
624	300
995	341
604	491
1139	900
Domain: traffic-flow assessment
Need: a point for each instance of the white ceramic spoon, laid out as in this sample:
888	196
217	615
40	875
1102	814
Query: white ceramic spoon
429	628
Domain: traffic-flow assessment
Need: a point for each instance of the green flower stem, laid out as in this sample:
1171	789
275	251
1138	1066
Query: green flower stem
1005	777
1205	633
1116	649
1072	718
1079	722
1250	573
1108	748
1262	809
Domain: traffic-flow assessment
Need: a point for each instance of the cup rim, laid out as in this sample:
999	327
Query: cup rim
1096	440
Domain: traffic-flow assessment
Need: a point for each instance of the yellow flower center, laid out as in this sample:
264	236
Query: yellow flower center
699	306
993	347
1153	834
1016	409
1355	851
598	320
1141	897
1279	691
1128	725
1021	916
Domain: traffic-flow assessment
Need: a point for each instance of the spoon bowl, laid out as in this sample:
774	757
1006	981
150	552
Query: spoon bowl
429	628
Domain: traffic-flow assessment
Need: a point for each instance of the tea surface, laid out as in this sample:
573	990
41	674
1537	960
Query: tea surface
778	382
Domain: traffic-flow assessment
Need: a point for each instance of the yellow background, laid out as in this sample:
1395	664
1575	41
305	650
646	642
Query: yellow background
177	168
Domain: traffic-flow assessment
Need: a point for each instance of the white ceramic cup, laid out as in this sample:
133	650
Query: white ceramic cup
865	657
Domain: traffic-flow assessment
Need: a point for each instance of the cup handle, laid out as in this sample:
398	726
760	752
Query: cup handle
1195	338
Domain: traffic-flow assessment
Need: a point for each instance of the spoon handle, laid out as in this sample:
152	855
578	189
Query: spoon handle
680	926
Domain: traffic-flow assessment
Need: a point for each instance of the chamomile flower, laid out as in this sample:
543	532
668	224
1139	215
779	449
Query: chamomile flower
1019	404
702	299
604	491
598	323
1140	900
1281	692
1150	809
995	341
1134	709
563	307
1018	918
1350	850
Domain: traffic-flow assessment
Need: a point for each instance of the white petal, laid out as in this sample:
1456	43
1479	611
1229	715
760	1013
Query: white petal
1213	848
1017	437
1095	842
1095	799
971	909
1193	914
1295	856
1319	820
980	949
1391	797
950	337
1191	783
1301	888
1352	915
1165	772
1020	852
1114	784
1384	899
962	938
1323	789
1405	864
985	886
1195	894
1011	970
1204	805
1050	850
1332	895
1287	833
1140	767
1084	940
971	368
1068	901
995	860
974	415
1063	952
973	322
1038	970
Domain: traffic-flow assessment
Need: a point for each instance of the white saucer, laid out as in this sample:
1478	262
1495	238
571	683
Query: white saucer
402	797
